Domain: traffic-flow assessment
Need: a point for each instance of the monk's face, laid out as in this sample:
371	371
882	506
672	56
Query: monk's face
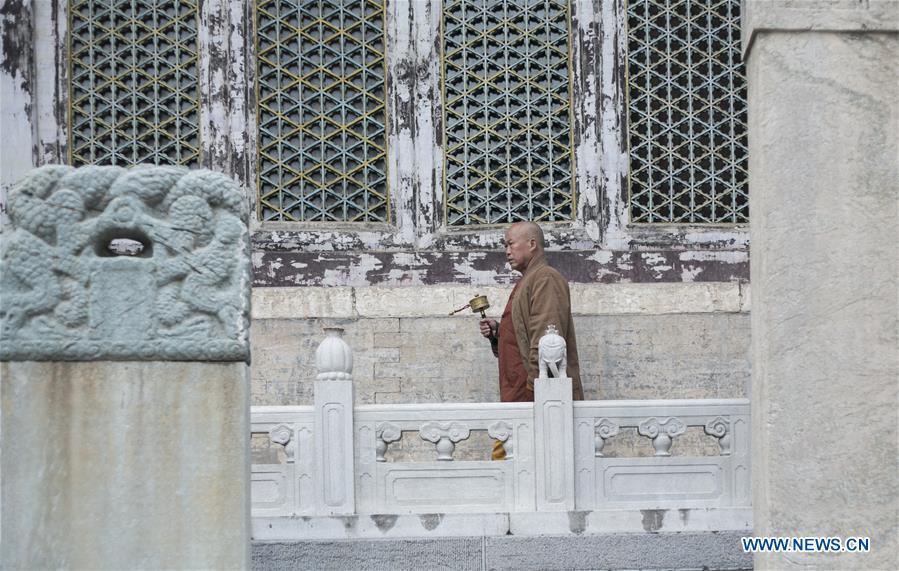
520	248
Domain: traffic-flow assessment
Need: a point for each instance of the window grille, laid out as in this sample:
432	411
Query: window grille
134	94
321	87
506	83
687	112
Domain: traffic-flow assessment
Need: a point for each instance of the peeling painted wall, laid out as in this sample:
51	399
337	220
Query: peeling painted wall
684	350
33	84
416	248
489	267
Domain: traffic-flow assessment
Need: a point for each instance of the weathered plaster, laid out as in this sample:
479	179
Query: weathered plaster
585	50
17	94
224	89
490	268
33	89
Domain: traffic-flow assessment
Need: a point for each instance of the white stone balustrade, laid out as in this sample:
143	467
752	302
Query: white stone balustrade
445	485
335	463
662	480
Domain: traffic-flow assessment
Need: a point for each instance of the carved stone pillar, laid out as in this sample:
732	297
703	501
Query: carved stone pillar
823	170
124	313
334	469
554	424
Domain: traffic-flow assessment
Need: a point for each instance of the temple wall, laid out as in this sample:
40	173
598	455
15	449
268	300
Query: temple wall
635	341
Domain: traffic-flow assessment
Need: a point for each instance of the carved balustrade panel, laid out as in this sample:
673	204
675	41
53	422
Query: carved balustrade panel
442	482
662	480
284	488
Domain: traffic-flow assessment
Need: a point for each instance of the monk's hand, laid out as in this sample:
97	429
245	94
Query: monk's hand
489	328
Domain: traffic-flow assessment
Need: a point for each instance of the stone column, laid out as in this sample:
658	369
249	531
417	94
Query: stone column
824	186
124	344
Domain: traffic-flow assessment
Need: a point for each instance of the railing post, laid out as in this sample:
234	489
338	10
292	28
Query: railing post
554	426
334	470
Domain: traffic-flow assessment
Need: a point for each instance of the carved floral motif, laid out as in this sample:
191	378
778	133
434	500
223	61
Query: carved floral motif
662	433
283	435
445	436
719	427
384	435
603	430
334	358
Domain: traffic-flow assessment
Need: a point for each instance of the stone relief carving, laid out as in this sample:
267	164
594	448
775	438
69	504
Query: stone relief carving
552	353
283	435
147	263
662	433
386	433
502	431
445	436
719	427
603	430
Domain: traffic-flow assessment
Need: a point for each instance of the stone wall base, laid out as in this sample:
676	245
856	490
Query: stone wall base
609	551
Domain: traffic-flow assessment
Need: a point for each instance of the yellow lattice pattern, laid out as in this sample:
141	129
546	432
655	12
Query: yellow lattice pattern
508	126
320	81
134	95
687	112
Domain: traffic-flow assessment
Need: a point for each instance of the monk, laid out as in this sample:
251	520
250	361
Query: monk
540	298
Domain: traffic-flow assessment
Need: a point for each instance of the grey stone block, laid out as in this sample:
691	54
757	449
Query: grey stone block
681	551
464	554
124	465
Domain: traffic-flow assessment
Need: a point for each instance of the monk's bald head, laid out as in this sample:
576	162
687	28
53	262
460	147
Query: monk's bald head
524	241
529	231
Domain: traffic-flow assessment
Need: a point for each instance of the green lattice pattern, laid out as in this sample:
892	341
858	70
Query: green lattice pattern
134	93
322	142
508	126
687	110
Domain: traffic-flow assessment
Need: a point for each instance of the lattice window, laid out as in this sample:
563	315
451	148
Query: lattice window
322	141
687	111
134	91
508	125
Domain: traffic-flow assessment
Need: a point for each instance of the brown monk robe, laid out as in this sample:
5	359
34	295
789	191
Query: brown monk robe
539	299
